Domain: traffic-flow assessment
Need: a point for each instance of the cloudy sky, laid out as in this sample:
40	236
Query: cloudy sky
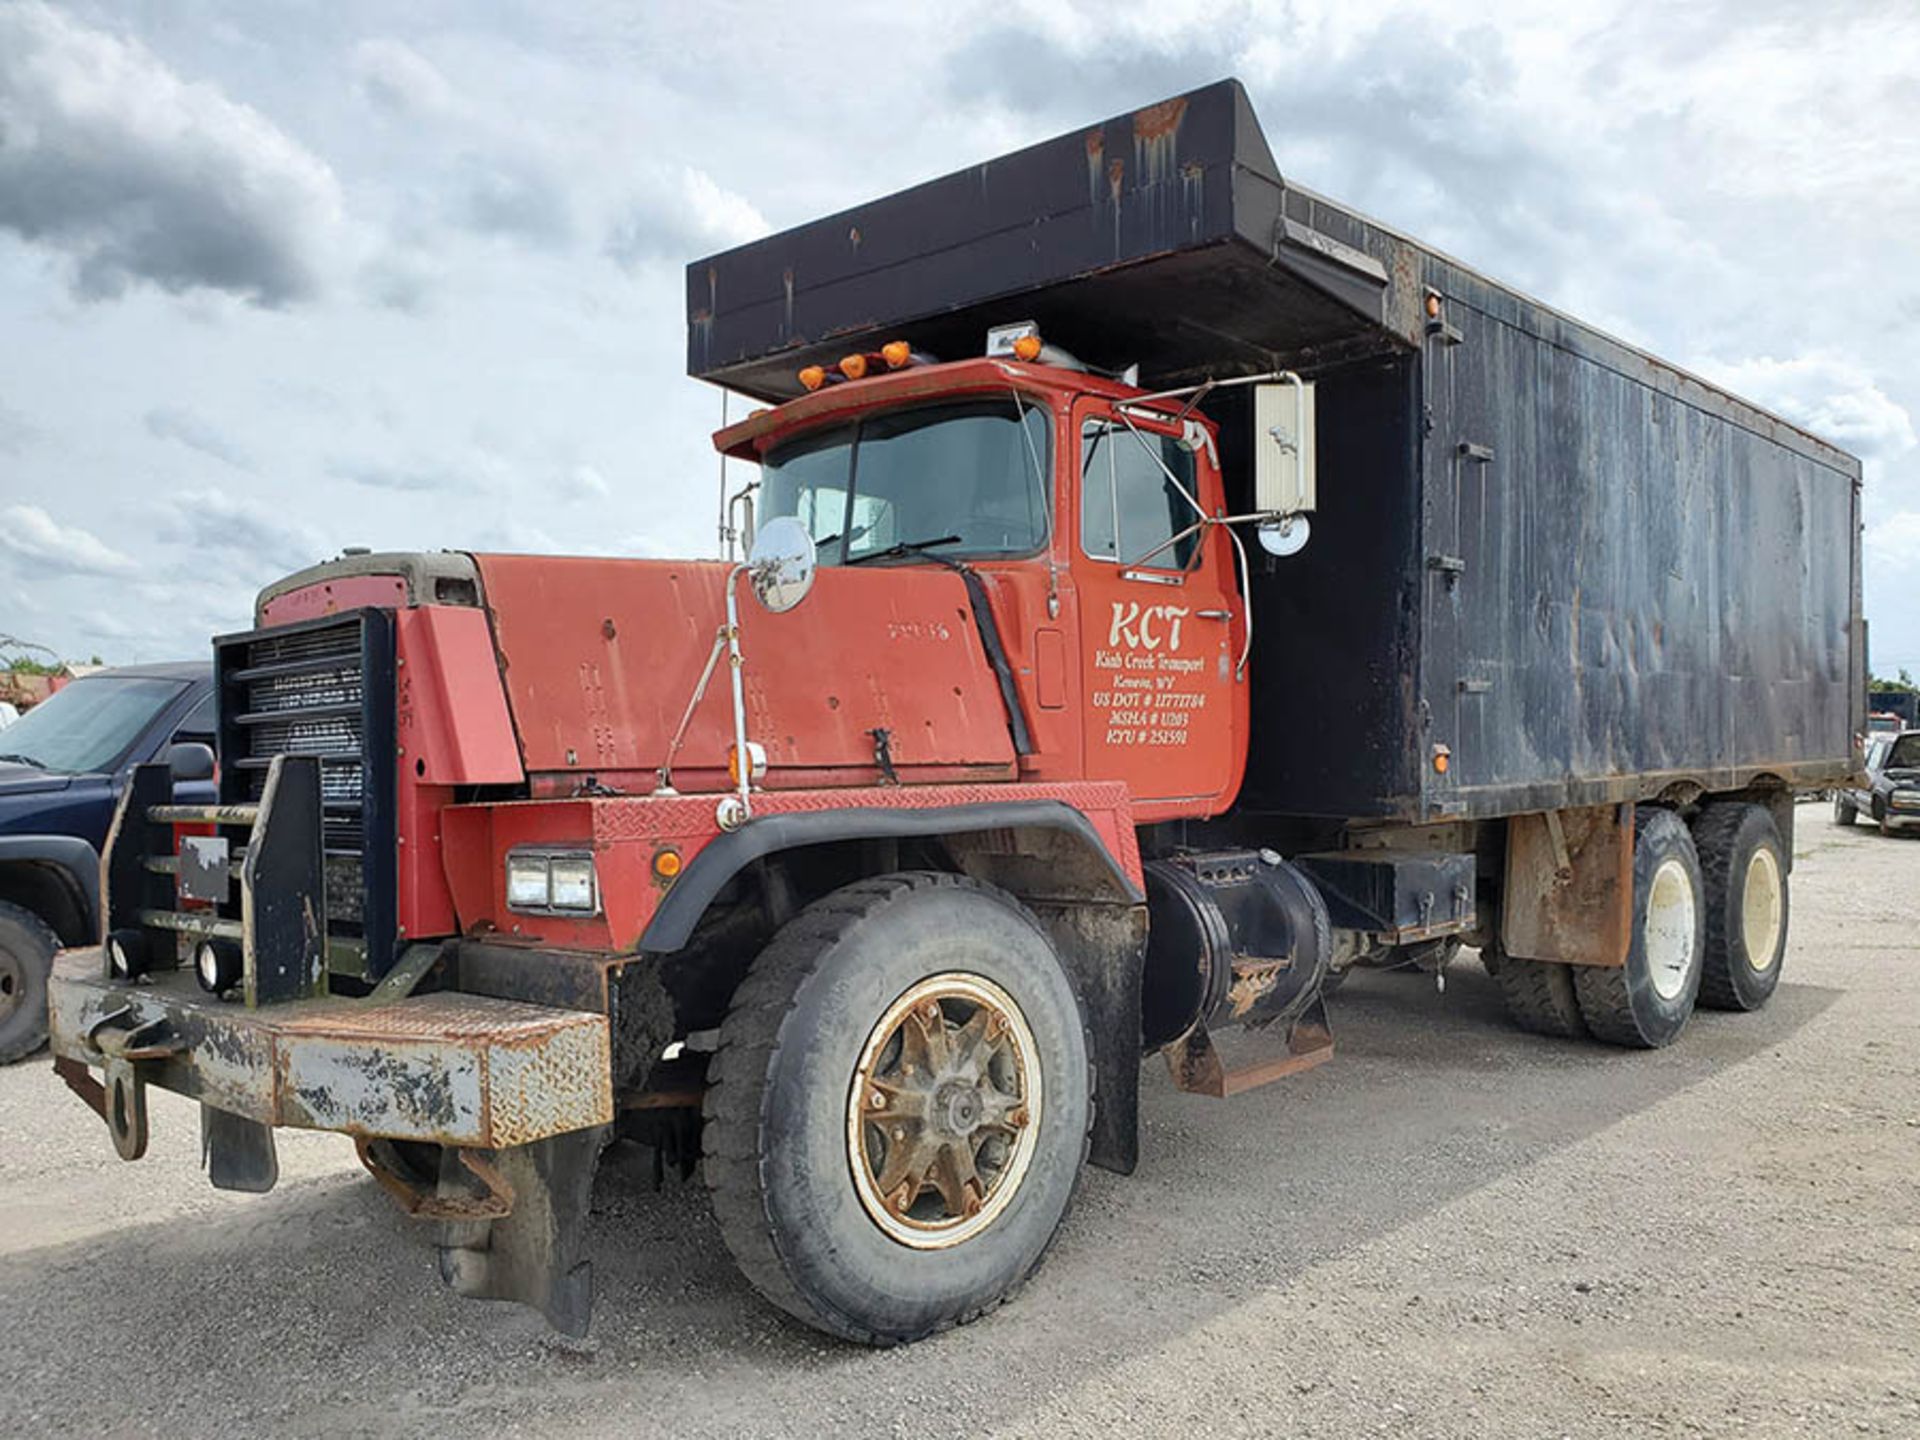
281	277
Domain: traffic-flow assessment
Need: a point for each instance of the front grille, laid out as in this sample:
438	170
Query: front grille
323	688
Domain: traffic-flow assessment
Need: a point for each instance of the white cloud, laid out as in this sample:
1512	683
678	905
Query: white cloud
583	482
135	176
45	544
190	430
399	79
1895	541
1835	398
681	218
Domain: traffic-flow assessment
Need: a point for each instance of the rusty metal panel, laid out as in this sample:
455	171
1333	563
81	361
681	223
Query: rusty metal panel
1568	894
602	656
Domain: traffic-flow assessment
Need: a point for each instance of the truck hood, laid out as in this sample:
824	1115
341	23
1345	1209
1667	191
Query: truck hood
17	779
601	657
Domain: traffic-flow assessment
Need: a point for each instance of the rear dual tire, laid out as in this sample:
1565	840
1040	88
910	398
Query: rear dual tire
1645	1003
1744	867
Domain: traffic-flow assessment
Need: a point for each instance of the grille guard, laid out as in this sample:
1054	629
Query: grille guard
278	916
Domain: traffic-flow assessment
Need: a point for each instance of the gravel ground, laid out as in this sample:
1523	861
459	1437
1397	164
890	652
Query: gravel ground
1452	1229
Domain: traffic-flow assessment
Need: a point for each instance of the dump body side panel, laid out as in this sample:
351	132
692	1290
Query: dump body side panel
1646	590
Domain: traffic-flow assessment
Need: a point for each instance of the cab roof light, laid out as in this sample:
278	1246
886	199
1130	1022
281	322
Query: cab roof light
813	377
897	353
1027	347
854	367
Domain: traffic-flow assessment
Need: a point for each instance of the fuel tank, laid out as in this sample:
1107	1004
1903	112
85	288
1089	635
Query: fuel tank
1238	938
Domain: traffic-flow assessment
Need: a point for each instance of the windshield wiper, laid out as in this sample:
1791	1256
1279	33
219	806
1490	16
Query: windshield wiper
905	547
26	760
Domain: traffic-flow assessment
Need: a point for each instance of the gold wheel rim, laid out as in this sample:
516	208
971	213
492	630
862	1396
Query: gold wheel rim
943	1115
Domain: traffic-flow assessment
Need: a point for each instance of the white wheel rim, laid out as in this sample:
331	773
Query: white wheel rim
1670	929
997	1102
1761	909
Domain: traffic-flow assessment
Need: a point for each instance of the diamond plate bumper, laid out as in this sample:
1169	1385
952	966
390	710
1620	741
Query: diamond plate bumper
451	1069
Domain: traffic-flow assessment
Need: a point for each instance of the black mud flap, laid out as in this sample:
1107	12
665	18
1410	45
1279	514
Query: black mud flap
238	1153
534	1254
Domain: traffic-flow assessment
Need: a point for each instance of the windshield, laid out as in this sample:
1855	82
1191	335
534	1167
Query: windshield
1904	754
88	725
961	479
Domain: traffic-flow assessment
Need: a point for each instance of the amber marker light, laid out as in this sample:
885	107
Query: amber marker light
813	377
1442	758
896	353
666	864
854	367
1027	347
1433	304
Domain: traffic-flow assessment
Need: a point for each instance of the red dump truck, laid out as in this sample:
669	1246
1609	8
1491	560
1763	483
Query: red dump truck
1167	591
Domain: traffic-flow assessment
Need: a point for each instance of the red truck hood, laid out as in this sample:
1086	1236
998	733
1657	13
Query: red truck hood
600	658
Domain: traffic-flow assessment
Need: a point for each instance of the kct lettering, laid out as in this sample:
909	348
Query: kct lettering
1139	627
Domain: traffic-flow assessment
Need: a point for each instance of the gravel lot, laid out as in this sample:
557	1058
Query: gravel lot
1452	1229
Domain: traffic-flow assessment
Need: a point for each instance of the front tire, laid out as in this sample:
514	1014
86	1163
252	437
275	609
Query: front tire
900	1108
27	945
1744	866
1646	1002
1845	812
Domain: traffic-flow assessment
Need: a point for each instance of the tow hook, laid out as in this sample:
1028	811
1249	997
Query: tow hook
123	1046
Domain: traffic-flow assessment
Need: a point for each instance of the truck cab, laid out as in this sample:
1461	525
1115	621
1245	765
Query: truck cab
1081	517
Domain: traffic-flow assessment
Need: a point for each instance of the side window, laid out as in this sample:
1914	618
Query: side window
199	723
1130	505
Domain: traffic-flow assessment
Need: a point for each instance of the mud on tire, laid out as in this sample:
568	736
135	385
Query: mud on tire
779	1148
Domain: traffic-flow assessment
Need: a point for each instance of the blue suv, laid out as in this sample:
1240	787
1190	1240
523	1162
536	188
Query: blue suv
62	767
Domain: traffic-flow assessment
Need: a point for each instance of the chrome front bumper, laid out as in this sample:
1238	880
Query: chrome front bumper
444	1068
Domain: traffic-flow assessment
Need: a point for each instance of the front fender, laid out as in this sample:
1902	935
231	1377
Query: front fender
727	855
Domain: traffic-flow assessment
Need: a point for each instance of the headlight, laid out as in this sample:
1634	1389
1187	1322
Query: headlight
1906	797
552	882
216	964
127	954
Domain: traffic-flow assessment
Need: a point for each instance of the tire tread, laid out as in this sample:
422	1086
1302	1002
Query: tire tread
750	1039
33	1037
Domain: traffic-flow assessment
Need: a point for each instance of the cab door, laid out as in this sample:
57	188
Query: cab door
1161	621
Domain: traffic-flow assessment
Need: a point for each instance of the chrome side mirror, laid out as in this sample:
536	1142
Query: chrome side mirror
781	564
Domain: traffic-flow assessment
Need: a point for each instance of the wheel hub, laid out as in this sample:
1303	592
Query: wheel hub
942	1109
12	984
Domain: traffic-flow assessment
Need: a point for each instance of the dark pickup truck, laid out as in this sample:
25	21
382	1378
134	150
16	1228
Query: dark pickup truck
62	767
1891	796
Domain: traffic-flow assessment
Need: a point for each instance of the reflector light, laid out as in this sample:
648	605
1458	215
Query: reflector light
666	864
813	377
896	353
1442	758
1027	347
854	367
756	762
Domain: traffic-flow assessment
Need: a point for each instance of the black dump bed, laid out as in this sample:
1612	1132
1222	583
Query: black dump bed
1586	574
